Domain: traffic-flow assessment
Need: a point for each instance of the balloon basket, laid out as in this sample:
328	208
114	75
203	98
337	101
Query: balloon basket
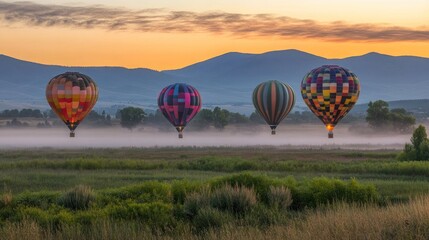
180	135
273	132
72	134
330	135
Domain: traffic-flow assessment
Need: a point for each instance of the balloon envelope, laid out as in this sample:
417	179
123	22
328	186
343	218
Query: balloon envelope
179	103
330	91
273	100
71	96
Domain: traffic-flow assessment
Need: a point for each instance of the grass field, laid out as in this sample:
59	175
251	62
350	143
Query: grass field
167	192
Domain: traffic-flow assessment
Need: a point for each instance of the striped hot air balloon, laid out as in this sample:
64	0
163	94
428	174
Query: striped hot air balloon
330	92
179	103
71	96
273	100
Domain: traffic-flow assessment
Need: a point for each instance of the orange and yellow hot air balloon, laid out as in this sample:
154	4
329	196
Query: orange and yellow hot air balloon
71	96
330	92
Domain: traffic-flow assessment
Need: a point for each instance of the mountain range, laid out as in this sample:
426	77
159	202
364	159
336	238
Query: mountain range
226	80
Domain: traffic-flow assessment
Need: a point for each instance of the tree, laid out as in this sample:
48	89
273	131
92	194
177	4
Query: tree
418	140
419	147
131	117
203	119
401	119
377	113
220	117
381	118
237	118
256	118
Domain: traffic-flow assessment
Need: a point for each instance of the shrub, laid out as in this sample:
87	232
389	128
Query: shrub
180	189
63	217
37	199
409	153
237	200
7	198
37	215
78	198
210	218
317	191
260	184
9	213
154	214
262	216
195	201
279	198
87	218
150	191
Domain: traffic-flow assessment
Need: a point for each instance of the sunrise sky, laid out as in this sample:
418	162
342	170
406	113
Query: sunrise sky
169	34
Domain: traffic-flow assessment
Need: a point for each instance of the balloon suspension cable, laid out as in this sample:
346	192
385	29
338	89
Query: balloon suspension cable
72	134
330	134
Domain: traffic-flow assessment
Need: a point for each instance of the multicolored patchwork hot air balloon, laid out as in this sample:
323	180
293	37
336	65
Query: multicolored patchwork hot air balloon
273	100
330	92
71	96
179	103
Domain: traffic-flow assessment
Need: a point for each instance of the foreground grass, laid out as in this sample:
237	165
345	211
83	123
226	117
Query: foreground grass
343	221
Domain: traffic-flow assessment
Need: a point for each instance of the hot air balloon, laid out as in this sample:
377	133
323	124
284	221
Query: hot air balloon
330	92
273	100
71	96
179	103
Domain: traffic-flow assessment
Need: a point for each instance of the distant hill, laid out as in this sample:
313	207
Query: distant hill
226	80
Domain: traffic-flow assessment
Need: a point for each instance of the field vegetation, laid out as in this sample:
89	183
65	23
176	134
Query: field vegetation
210	193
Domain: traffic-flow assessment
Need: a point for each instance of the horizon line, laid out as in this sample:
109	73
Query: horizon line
204	60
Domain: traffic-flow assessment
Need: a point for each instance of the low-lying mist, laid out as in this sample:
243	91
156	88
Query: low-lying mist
293	136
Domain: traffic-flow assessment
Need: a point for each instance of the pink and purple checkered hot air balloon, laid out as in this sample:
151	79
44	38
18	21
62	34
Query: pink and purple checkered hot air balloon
179	103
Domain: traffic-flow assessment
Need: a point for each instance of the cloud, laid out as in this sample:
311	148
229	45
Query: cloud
161	20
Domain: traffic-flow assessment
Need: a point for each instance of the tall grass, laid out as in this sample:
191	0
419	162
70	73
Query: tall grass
342	221
78	198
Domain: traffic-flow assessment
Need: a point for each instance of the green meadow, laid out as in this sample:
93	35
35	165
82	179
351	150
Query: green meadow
211	193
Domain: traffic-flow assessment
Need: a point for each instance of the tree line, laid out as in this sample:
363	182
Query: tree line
379	117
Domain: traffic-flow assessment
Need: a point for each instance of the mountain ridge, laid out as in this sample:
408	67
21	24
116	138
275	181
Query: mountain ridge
226	80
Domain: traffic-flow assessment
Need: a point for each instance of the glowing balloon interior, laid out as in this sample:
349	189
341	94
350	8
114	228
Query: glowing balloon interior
330	92
71	96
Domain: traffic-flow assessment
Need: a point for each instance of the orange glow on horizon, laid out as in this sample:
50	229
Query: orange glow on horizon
162	51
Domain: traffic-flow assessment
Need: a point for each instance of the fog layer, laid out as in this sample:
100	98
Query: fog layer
306	136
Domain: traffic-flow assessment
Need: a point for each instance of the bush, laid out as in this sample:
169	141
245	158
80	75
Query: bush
319	191
37	199
195	201
262	217
7	198
210	218
157	215
37	215
78	198
180	189
279	198
89	217
260	184
237	200
150	191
